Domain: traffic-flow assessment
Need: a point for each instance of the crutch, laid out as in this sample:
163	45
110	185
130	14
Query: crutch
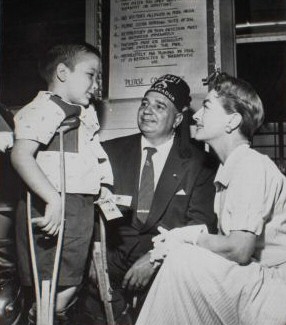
108	211
100	264
45	294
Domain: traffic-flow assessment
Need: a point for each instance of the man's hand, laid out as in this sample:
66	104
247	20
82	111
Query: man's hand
51	221
139	275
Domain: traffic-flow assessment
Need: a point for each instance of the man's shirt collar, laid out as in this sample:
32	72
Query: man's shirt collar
162	147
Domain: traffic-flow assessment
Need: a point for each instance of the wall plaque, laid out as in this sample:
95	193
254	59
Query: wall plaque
149	38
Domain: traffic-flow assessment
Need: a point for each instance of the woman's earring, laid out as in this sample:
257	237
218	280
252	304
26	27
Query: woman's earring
227	129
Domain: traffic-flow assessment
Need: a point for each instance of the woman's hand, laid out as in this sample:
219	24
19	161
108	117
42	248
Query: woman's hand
168	239
188	234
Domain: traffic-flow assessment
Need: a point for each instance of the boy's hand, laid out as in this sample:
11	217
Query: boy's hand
107	204
51	221
105	194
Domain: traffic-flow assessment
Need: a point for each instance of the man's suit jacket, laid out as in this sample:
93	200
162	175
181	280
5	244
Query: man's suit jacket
184	195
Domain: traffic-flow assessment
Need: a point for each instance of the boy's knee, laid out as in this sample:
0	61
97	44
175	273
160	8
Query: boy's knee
66	298
62	317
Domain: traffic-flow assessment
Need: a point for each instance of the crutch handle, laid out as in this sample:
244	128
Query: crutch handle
68	124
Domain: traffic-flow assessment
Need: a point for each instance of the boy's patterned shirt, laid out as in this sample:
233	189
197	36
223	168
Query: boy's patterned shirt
85	169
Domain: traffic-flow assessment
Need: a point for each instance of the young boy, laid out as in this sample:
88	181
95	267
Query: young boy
71	72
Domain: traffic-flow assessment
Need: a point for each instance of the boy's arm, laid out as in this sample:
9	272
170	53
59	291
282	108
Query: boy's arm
105	169
106	172
23	160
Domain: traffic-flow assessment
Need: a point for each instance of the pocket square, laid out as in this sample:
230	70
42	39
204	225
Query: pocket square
181	192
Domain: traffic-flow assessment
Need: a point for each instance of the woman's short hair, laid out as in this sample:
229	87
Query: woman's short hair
237	95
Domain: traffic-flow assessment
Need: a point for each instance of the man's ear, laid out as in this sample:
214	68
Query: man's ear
62	71
178	120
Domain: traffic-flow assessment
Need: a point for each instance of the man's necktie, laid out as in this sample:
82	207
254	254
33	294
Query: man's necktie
146	189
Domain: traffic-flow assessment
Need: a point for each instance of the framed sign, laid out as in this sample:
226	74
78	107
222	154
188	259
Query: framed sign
149	38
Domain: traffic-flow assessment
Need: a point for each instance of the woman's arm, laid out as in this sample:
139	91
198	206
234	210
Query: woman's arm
238	246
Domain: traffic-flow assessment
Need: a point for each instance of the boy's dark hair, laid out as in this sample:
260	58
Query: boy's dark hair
63	53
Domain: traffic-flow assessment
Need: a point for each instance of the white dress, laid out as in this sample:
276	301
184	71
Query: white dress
196	286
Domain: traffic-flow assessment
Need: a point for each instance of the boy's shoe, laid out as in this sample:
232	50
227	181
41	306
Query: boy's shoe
11	298
124	319
11	301
59	320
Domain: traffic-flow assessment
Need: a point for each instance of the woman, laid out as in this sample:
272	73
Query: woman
239	275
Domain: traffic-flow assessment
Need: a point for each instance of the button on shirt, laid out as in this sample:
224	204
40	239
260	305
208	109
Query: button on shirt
251	196
159	158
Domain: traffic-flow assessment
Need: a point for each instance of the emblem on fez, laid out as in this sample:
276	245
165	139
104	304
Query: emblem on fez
162	86
163	83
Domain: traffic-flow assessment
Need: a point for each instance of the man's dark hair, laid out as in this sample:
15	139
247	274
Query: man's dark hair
63	53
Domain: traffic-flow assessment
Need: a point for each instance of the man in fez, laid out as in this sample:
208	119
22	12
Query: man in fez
169	182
